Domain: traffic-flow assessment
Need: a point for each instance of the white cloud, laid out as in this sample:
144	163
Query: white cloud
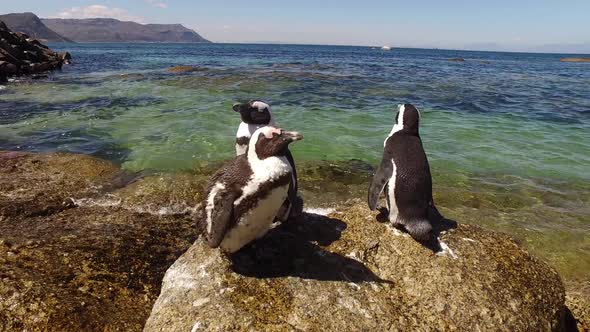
156	4
98	11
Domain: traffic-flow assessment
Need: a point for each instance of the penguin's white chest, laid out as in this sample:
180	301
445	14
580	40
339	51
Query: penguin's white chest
241	149
256	222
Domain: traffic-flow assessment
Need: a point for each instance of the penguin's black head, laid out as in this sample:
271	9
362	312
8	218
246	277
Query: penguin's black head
254	112
408	119
270	141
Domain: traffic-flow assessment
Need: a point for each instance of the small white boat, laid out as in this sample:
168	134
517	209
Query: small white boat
386	48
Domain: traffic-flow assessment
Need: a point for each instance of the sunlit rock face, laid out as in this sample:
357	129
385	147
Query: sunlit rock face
348	272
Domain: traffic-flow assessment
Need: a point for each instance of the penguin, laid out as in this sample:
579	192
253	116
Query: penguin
404	175
256	114
244	197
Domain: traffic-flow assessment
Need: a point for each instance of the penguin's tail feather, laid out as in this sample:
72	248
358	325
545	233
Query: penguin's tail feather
420	230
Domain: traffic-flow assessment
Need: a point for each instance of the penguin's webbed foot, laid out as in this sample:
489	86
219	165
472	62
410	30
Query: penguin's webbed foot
383	215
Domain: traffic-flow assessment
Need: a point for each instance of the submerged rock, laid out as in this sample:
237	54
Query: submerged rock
348	272
575	60
182	69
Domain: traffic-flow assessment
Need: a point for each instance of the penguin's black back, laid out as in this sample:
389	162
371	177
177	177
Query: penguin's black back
413	181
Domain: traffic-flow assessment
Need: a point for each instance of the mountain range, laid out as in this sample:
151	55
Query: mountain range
99	30
30	24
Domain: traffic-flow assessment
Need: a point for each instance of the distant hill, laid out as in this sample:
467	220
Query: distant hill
30	24
112	30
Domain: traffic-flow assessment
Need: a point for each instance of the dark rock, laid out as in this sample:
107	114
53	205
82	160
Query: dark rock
66	57
457	60
26	55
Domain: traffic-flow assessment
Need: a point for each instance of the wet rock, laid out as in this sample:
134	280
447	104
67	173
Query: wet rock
22	55
182	69
85	269
163	194
348	272
69	262
40	184
575	60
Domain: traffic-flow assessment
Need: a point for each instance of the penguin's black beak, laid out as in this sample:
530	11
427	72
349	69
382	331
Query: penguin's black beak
291	136
237	107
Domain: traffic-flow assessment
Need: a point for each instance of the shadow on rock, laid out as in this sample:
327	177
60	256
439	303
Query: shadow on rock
439	224
289	250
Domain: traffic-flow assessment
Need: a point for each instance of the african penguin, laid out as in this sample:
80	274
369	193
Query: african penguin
256	114
244	197
404	174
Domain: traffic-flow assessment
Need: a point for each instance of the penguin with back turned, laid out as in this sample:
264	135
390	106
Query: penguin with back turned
256	114
404	175
244	197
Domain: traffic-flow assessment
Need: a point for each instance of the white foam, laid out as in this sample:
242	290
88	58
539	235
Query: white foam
107	201
114	201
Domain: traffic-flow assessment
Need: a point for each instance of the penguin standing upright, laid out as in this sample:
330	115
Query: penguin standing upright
244	197
404	174
256	114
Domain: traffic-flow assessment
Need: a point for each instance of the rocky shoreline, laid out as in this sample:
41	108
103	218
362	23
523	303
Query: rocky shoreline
23	55
85	246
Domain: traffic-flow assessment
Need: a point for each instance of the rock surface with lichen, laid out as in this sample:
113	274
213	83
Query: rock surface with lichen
85	247
73	258
348	272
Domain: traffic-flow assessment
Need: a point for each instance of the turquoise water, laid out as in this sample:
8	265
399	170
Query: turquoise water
507	134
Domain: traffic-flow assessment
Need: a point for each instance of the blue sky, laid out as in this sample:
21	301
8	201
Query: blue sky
542	25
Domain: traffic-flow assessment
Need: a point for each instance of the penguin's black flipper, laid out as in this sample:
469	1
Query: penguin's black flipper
293	187
221	216
380	179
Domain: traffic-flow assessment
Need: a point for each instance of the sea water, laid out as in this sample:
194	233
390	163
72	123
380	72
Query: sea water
507	134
